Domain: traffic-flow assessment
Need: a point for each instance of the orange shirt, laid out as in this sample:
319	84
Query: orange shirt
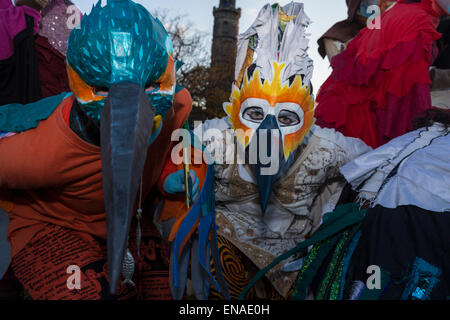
56	177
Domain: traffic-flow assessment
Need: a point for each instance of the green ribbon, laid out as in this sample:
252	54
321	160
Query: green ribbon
334	223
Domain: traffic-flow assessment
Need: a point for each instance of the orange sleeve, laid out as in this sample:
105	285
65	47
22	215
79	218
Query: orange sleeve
174	207
44	157
175	118
169	168
25	159
182	105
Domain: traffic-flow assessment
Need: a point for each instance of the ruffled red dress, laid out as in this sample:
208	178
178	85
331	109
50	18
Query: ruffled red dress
381	81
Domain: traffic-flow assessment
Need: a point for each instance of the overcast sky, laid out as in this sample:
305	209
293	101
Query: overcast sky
323	13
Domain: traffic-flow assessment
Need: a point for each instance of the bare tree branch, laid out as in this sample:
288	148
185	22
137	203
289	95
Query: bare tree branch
193	48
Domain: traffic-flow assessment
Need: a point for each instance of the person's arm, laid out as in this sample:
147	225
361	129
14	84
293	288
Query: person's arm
169	168
22	162
32	158
171	181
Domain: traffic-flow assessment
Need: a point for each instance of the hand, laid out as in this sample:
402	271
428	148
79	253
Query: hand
174	184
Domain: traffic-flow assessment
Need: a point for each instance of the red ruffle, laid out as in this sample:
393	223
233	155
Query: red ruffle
395	119
382	80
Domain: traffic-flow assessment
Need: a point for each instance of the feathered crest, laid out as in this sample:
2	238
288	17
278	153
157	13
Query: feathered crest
274	91
278	34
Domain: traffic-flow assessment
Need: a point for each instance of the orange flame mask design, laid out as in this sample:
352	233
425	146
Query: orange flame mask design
275	92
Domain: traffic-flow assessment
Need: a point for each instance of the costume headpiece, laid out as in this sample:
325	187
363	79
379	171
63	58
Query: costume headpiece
129	45
272	90
280	84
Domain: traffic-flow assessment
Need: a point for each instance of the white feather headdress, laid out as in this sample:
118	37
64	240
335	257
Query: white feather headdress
291	49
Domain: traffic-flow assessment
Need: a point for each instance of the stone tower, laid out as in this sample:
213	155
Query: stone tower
223	55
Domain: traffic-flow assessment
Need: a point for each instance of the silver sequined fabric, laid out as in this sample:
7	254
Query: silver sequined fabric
57	17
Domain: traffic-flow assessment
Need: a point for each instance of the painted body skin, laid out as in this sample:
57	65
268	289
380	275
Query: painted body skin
174	184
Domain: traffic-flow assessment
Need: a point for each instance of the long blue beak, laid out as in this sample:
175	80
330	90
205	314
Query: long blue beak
126	127
266	181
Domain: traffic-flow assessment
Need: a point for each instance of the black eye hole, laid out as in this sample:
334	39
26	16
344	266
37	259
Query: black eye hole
288	118
152	87
101	91
255	114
